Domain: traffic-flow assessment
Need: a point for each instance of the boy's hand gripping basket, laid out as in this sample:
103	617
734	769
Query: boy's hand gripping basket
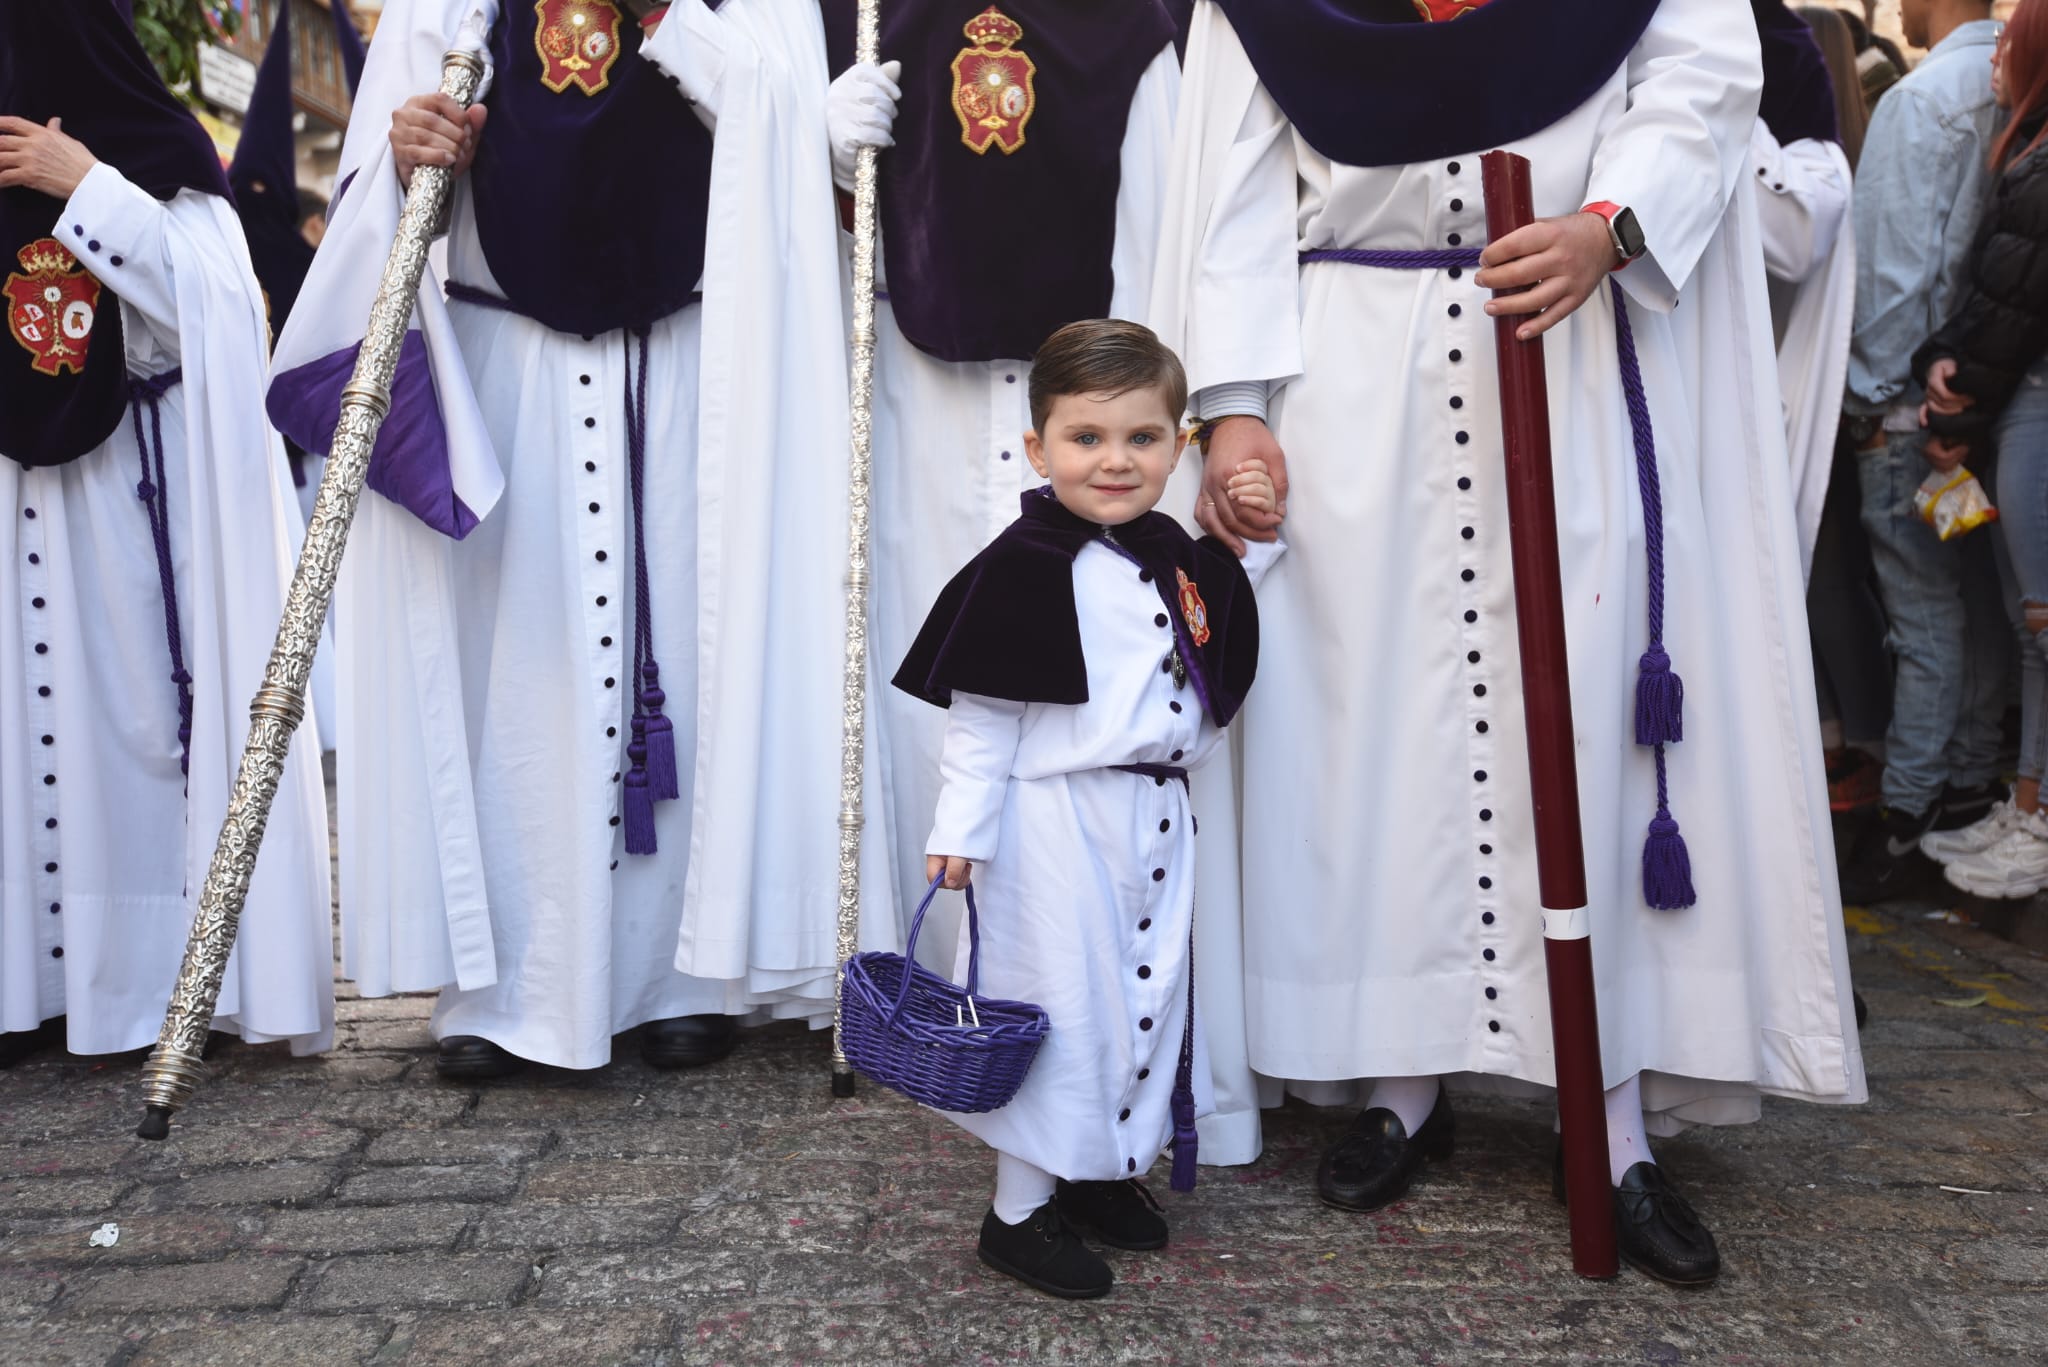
919	1034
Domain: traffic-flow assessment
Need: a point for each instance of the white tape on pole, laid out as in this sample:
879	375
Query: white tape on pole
1566	923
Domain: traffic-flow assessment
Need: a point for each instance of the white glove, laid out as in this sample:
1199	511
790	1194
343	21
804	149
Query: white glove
860	109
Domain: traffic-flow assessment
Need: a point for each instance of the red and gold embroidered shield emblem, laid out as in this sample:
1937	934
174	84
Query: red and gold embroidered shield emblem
1193	610
1436	11
992	90
51	305
578	40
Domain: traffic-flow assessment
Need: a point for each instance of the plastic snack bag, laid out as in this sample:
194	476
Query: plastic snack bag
1953	502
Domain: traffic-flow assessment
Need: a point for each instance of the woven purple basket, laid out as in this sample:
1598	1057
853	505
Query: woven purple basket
937	1043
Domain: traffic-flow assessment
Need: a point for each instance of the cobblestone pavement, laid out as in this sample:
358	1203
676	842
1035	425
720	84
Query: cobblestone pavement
353	1208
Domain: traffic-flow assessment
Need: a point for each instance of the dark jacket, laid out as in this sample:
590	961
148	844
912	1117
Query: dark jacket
1999	327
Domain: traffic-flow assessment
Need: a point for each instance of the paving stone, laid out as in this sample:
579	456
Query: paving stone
144	1238
199	1143
57	1343
808	1226
646	1276
71	1158
23	1289
537	1229
281	1185
379	1109
443	1182
458	1146
235	1284
78	1197
404	1281
2007	1326
723	1333
539	1338
364	1229
688	1141
1963	1094
2004	1262
604	1182
266	1343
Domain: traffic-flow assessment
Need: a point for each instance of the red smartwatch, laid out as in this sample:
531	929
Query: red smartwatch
1622	230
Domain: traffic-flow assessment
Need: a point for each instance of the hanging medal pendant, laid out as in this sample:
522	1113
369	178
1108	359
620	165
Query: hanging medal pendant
1179	668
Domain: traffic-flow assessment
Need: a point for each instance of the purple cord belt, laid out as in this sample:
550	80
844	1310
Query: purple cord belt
148	392
651	774
1182	1104
1660	694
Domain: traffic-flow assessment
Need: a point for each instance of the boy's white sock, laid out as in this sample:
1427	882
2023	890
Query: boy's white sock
1411	1098
1628	1141
1020	1188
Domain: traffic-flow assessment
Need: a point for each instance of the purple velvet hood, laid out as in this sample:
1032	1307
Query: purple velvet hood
989	253
1799	96
1368	83
1007	626
79	61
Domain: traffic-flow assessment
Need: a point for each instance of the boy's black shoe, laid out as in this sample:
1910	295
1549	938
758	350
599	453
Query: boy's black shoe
1886	862
16	1045
1042	1252
1373	1162
1960	807
1121	1214
1659	1233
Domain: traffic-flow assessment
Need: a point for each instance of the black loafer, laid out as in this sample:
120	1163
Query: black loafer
1043	1253
1121	1214
16	1045
688	1041
1659	1233
472	1058
1372	1165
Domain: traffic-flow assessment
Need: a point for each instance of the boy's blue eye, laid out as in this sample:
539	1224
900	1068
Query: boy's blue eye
1143	439
1086	439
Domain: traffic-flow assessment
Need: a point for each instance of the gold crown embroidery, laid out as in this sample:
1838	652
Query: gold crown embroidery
992	84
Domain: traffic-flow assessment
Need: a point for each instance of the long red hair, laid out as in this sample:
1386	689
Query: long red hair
2026	79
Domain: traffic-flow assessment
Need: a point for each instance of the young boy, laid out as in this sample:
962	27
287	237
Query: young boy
1089	656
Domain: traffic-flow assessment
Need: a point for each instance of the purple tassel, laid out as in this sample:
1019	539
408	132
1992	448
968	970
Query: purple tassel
639	814
659	732
1667	867
1660	700
1185	1141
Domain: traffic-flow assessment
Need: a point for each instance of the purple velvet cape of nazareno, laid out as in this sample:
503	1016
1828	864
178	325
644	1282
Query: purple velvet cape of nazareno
1007	625
989	254
590	208
1367	83
79	61
1799	95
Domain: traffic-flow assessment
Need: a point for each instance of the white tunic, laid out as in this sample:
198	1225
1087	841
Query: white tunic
103	843
1086	880
1802	205
1389	877
486	685
948	468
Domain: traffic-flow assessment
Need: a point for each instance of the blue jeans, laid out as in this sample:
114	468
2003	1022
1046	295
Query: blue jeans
1949	635
2023	545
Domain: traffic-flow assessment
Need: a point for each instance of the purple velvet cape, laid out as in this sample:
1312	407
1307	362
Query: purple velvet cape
1367	83
590	208
264	177
79	61
1799	95
989	254
1007	626
350	44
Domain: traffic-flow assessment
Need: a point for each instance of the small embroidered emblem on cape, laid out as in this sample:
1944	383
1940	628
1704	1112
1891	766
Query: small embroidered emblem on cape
1433	11
992	90
50	308
1193	610
578	41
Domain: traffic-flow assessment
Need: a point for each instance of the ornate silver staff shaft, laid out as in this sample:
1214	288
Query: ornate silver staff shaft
854	698
174	1067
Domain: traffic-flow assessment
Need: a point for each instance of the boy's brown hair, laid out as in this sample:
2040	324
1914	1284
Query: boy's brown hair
1105	356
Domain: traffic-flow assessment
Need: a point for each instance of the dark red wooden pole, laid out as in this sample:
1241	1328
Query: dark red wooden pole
1553	773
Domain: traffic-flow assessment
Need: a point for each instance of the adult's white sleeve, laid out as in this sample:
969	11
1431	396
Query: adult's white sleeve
1801	204
1695	78
117	231
974	767
689	49
1141	188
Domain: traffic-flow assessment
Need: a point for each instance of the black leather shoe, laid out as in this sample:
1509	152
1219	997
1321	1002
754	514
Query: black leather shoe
1659	1234
1862	1009
1042	1252
1372	1165
16	1045
688	1041
472	1058
1121	1214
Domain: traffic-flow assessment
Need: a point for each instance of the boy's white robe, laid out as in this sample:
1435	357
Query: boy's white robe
100	870
1802	203
1086	881
1390	922
485	685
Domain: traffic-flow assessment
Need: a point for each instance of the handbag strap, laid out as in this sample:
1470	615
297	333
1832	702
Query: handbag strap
917	927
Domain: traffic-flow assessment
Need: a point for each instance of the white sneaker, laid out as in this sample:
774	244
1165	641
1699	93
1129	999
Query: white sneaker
1975	838
2017	866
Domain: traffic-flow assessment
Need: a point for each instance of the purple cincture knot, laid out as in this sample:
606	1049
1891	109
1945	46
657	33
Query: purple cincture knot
151	489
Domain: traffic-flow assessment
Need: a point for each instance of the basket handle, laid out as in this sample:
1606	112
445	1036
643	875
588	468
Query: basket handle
910	947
